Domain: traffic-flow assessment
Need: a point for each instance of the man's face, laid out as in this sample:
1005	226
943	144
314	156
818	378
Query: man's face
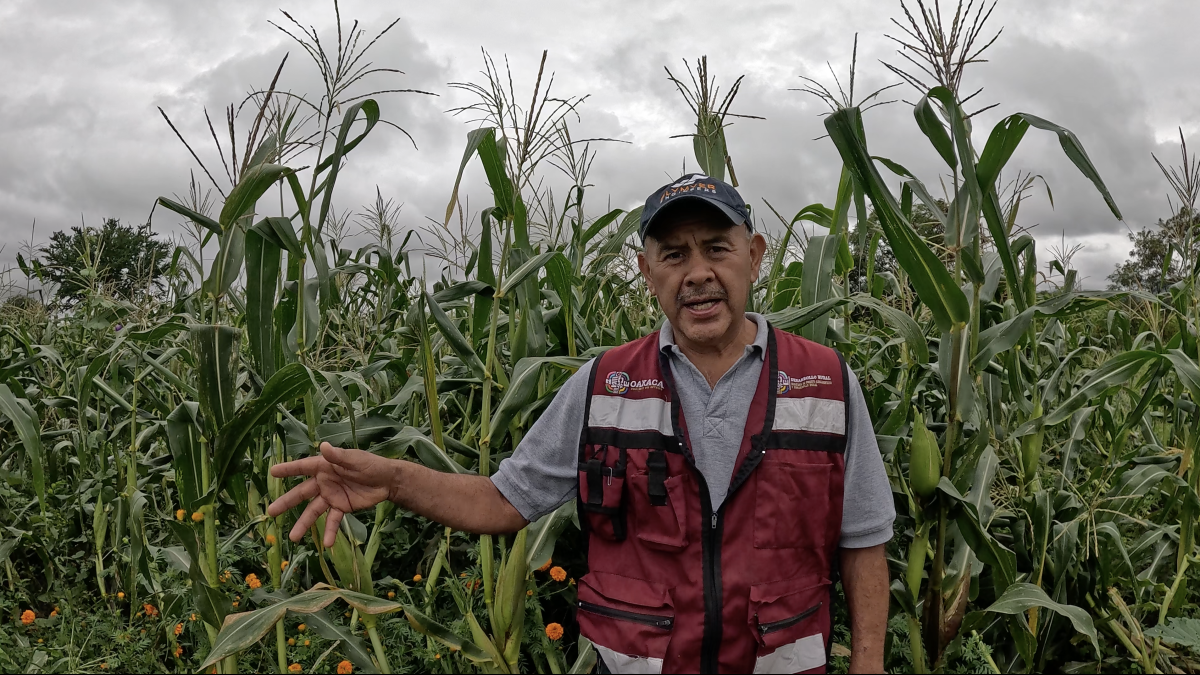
701	270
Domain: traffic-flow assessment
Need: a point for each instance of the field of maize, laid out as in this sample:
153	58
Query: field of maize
1042	440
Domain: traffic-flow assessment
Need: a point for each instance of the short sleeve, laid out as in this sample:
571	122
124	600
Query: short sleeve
867	507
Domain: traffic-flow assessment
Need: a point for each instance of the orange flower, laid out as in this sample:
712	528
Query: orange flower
121	595
463	575
178	652
391	594
27	617
291	642
543	568
253	582
554	631
558	574
283	565
180	514
54	612
235	603
345	667
437	656
104	666
192	617
307	643
295	668
197	516
271	540
150	610
529	593
301	628
416	578
178	629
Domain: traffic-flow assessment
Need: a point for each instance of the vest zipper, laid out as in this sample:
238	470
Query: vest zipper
765	629
710	546
654	620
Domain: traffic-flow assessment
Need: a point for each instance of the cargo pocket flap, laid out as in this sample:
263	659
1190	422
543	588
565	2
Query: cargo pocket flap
626	590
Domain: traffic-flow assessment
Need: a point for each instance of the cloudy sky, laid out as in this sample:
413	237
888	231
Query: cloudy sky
80	136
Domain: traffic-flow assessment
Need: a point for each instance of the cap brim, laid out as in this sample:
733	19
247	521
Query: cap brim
734	217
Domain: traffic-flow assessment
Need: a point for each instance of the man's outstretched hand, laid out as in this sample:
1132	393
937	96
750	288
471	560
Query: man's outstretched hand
340	481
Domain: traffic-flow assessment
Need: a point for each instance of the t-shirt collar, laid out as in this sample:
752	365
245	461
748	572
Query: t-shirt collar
666	336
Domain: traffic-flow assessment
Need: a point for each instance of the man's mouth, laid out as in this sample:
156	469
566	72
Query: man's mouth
701	305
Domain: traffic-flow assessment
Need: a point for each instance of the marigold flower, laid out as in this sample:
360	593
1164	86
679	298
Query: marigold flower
178	629
437	656
104	666
283	565
192	617
391	594
178	652
463	575
121	595
235	604
291	642
302	628
253	582
197	516
307	643
529	594
416	578
150	610
271	540
180	514
41	640
345	667
295	668
549	562
27	617
54	612
558	574
554	631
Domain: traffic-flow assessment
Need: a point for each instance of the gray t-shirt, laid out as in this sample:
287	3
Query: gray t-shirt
541	474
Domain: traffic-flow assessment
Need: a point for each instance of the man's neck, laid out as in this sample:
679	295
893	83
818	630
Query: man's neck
715	359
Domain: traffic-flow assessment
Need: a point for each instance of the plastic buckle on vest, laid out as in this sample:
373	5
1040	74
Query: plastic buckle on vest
656	463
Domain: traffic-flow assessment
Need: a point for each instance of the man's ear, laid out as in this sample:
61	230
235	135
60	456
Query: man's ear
758	248
644	266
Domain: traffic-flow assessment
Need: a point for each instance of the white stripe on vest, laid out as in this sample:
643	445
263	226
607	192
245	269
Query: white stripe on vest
627	414
821	415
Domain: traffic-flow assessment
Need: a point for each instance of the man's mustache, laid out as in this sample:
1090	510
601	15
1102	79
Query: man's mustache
700	294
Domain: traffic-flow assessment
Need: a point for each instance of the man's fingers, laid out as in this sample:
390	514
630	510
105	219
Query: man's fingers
347	459
315	508
332	521
304	491
300	467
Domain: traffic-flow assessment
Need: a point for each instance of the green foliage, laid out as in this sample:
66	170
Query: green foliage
119	259
1159	255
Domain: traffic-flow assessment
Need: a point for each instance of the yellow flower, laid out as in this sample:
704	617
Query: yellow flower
301	628
558	574
178	629
180	514
197	516
543	568
192	617
416	578
554	631
345	667
271	540
40	640
437	656
253	582
529	593
295	668
291	642
463	575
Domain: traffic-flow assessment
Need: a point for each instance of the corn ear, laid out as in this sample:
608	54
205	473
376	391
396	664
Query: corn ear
924	459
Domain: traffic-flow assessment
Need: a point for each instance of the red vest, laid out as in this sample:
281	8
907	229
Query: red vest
675	586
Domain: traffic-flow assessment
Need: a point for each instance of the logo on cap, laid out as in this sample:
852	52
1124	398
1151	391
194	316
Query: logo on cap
617	382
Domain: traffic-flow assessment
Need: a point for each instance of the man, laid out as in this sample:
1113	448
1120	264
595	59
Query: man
725	472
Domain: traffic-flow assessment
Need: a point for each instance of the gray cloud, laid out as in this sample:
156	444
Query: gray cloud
81	135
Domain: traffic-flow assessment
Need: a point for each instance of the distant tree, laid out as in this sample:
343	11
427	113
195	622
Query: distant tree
124	260
1159	255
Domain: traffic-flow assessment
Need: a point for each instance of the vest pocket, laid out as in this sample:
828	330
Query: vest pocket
663	526
790	621
628	620
602	492
791	508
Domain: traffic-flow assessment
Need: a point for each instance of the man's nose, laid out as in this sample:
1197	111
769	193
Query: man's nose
699	272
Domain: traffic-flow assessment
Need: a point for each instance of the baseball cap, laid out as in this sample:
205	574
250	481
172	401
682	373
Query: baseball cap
696	187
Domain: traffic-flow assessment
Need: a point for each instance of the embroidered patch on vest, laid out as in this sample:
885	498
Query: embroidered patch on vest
617	382
787	383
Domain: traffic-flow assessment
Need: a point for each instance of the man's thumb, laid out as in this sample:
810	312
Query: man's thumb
338	456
